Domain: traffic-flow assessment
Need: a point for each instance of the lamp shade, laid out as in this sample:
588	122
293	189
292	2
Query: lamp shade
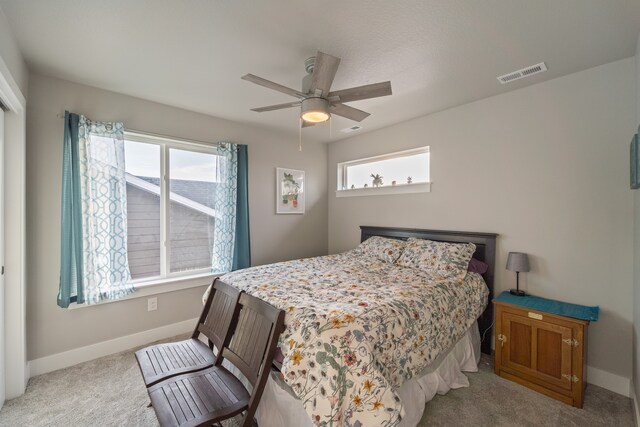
518	261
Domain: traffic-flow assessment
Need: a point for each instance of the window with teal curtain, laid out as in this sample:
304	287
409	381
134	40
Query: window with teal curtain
231	245
94	242
94	264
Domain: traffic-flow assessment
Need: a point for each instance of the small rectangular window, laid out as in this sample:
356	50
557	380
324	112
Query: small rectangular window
395	172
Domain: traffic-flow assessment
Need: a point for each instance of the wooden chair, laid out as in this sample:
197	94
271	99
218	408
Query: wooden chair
212	395
162	361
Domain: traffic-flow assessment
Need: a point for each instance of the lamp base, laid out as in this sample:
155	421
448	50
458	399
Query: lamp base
517	292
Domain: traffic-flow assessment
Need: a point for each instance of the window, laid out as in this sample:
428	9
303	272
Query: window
400	172
178	210
170	222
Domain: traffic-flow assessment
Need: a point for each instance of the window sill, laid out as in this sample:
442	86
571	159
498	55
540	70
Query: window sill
424	187
159	286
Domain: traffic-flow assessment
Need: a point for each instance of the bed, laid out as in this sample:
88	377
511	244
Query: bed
362	335
485	251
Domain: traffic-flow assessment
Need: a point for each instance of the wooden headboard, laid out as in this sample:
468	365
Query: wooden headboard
485	252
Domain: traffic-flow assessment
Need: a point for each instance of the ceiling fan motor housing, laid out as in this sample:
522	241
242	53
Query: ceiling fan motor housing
309	63
306	80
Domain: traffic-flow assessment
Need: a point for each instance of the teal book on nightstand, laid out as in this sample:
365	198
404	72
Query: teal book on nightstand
542	344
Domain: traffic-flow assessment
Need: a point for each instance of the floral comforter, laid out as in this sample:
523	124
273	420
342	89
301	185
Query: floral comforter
358	327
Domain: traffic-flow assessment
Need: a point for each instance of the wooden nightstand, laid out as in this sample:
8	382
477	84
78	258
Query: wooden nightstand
543	351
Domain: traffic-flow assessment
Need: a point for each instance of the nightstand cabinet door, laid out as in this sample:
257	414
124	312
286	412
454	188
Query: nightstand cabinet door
542	351
537	349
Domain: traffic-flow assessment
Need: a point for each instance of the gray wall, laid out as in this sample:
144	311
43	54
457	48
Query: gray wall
191	234
191	237
546	167
51	329
636	254
11	56
143	232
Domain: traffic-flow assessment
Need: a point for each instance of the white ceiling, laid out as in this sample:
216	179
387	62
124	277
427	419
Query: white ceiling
437	54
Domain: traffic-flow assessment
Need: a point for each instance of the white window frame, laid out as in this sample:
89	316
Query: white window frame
166	143
401	188
171	282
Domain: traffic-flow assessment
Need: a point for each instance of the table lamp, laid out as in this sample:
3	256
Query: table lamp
518	262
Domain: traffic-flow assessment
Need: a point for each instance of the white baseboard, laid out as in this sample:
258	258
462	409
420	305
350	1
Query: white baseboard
611	382
105	348
27	373
604	379
634	404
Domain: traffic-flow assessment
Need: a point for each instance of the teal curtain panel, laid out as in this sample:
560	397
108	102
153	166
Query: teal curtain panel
71	262
225	205
99	198
242	249
231	250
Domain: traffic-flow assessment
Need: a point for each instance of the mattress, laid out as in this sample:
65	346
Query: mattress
358	328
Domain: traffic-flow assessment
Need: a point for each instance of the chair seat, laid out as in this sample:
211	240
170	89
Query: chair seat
199	398
161	361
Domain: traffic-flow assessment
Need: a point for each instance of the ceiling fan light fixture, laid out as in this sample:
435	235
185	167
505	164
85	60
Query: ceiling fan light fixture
318	103
315	110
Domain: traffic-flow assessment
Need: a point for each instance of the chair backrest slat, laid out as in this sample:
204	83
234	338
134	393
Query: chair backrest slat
252	346
220	308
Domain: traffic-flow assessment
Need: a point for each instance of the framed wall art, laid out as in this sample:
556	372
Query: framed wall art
290	191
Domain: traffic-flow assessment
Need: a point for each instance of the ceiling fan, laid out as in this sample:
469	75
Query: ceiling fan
315	100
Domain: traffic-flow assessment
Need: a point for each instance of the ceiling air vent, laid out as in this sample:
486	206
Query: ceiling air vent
525	72
351	129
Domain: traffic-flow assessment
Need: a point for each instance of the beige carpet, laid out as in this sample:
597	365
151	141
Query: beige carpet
109	392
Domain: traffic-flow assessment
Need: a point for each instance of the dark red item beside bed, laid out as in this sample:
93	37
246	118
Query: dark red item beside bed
477	266
279	356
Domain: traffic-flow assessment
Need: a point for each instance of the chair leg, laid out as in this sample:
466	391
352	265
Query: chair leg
245	421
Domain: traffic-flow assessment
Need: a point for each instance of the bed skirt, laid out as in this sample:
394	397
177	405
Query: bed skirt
279	407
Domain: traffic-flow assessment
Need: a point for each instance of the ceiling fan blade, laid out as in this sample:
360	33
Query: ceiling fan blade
348	112
271	85
363	92
324	70
276	107
307	124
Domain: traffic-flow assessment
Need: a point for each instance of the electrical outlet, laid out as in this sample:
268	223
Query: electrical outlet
152	304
